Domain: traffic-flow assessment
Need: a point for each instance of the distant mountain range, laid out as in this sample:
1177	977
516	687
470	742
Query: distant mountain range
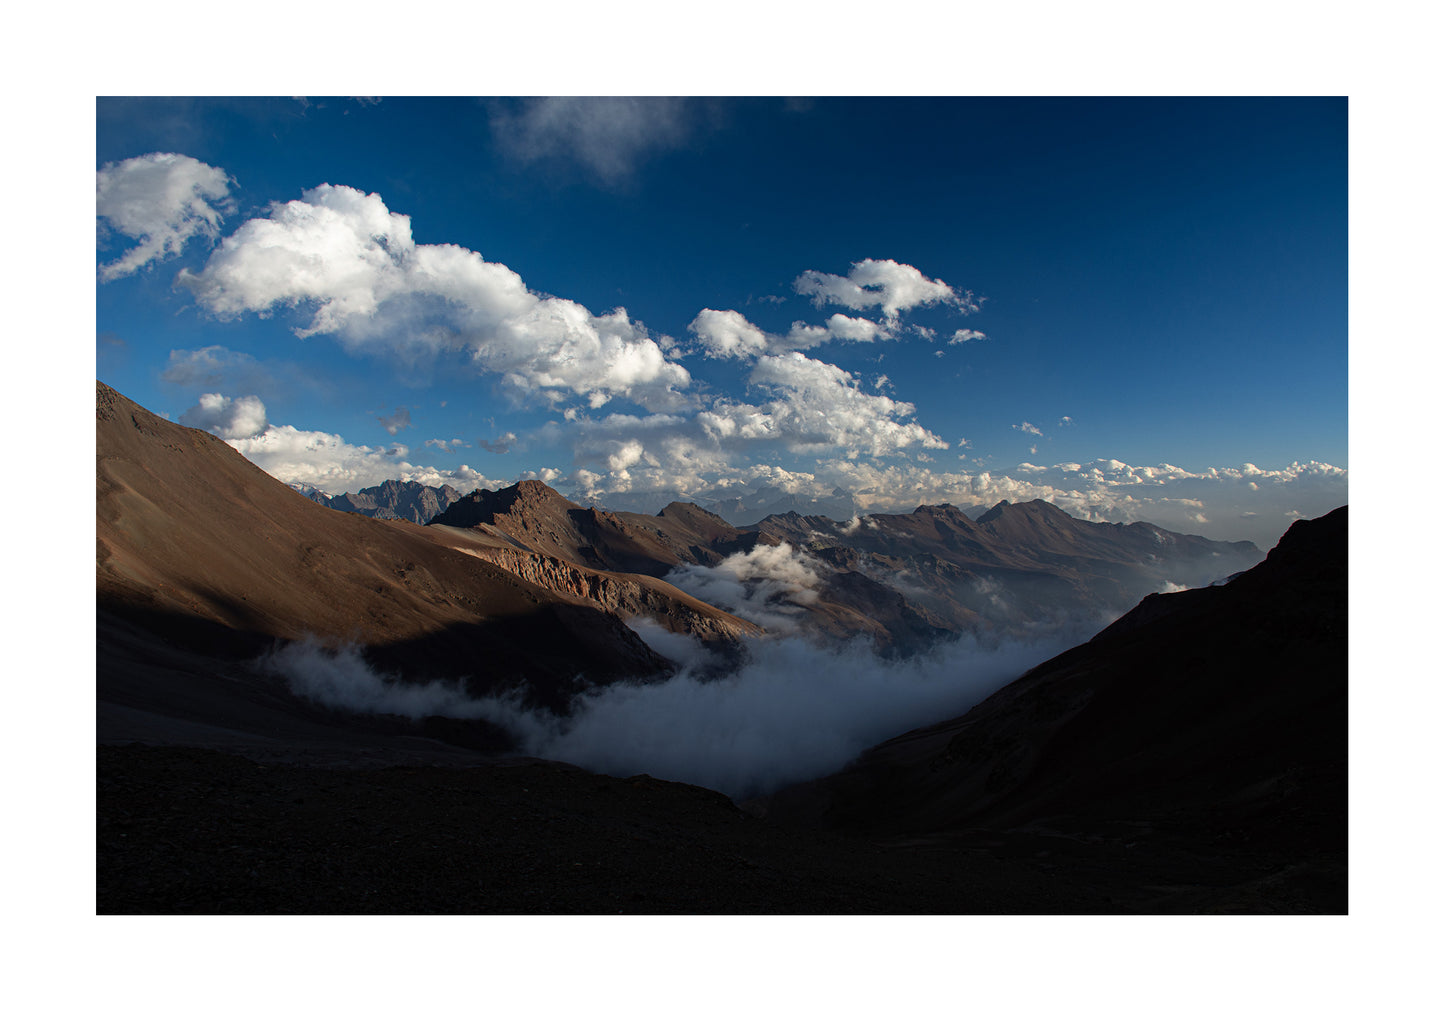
414	501
904	580
747	507
1016	566
391	500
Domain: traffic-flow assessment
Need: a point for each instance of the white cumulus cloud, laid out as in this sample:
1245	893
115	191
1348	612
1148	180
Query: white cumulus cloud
227	417
814	408
963	336
891	286
838	328
352	263
162	200
323	459
726	333
445	445
821	405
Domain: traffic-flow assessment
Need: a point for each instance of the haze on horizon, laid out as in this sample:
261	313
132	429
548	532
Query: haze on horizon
1132	308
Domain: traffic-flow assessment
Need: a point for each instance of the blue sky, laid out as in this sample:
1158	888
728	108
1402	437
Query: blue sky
1136	308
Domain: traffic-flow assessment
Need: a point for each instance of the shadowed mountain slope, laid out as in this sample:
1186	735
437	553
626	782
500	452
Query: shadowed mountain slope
1217	717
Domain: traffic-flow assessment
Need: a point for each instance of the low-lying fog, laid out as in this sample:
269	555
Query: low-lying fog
794	711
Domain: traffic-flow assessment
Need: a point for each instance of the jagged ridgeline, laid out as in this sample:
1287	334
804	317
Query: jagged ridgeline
905	581
391	500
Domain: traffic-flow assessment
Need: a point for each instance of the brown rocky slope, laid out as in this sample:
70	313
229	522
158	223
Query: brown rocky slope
198	548
532	517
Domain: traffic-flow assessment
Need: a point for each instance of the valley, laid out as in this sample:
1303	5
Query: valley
1187	754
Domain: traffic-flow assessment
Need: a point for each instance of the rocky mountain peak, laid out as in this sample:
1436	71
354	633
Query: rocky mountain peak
943	509
995	513
526	498
1034	508
688	510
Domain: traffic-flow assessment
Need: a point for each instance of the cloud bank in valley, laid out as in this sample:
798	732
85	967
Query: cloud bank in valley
341	679
794	711
765	585
795	708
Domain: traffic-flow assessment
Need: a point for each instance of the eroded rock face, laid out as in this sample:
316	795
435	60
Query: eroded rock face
628	597
396	500
532	515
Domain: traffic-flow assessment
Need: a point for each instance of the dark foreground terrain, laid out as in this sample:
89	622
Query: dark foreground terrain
183	830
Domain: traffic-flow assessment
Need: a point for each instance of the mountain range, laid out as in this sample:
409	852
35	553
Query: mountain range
904	581
1008	568
1190	756
391	500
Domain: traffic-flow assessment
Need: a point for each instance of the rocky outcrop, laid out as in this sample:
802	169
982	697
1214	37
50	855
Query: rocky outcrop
627	596
531	514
